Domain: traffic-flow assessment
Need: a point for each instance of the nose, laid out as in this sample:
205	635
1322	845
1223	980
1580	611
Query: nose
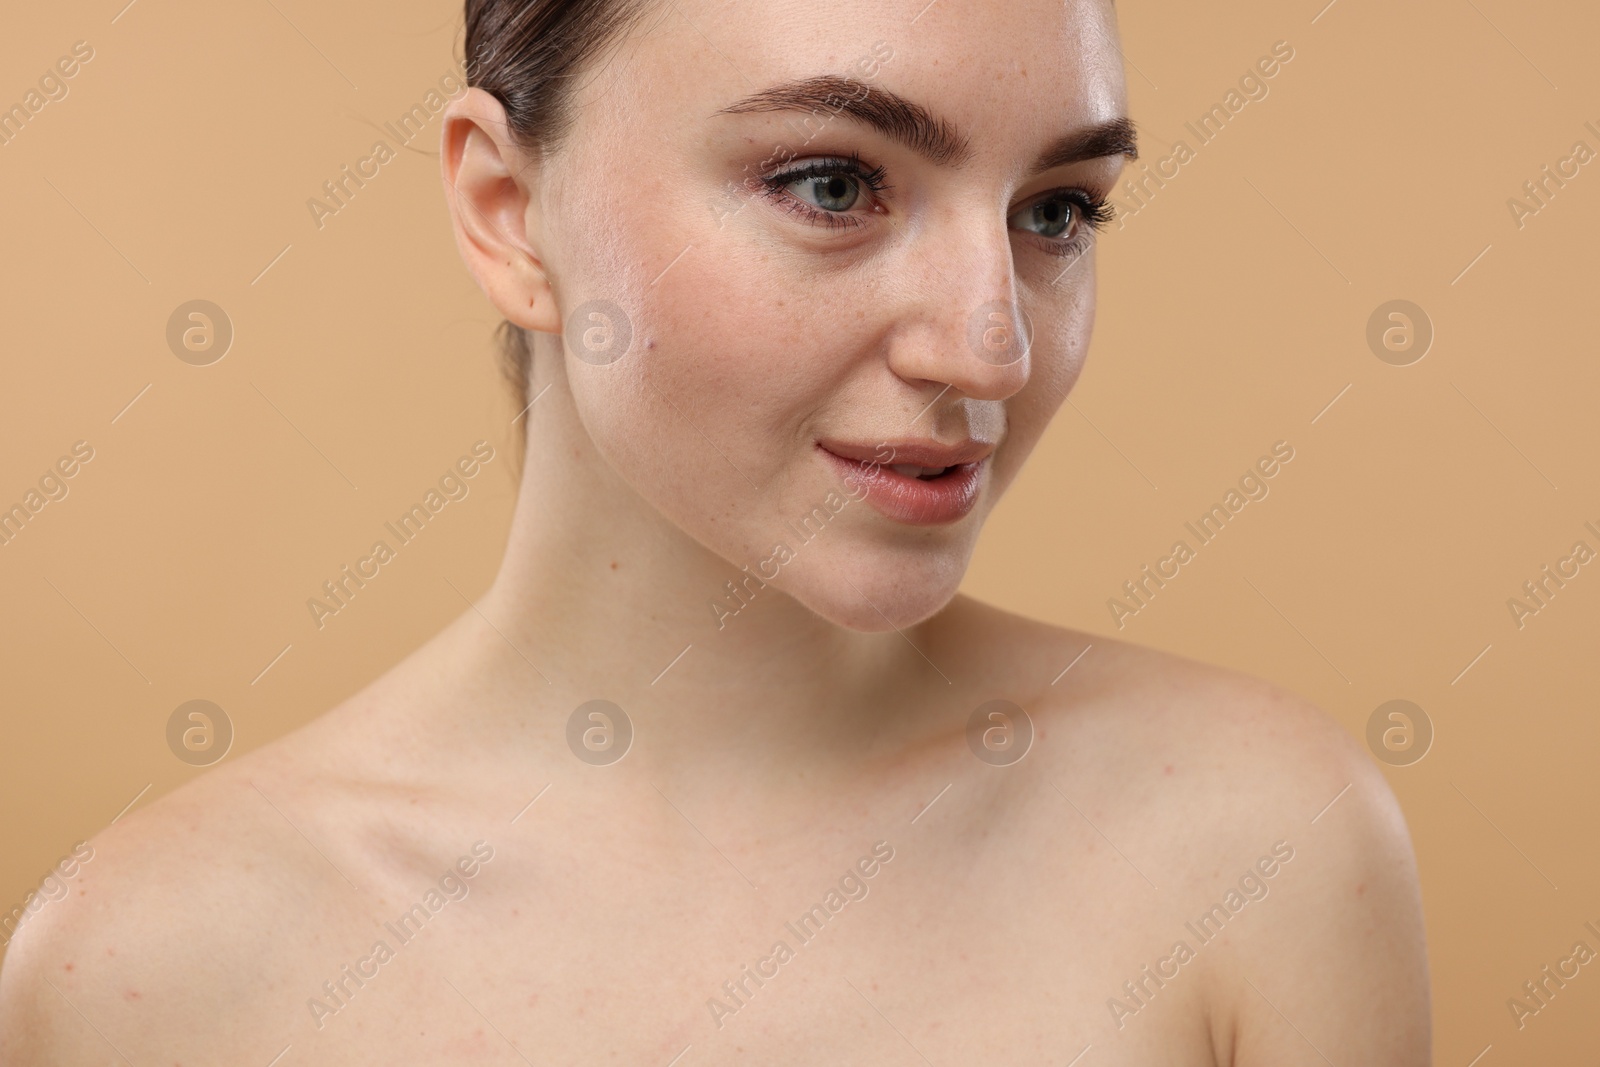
962	325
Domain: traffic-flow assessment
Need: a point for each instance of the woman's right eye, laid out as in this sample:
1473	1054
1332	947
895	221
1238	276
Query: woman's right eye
830	192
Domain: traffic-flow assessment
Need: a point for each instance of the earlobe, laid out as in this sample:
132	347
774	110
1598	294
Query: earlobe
486	176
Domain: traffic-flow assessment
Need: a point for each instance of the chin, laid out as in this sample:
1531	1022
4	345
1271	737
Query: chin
872	592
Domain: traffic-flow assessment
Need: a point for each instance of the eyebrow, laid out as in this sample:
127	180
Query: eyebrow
914	126
1115	137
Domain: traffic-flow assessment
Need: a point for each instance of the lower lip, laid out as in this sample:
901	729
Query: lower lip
911	500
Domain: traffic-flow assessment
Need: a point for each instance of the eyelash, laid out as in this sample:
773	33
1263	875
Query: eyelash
1094	212
777	186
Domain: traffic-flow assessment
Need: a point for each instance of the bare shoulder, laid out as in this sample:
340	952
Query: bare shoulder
227	893
1311	898
1145	705
1267	827
187	911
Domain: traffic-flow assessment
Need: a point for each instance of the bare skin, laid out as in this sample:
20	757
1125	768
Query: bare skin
815	742
605	921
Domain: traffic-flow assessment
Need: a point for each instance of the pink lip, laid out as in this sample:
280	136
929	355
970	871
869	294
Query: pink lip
906	498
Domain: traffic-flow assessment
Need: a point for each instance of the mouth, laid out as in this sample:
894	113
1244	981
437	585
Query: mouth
917	483
909	470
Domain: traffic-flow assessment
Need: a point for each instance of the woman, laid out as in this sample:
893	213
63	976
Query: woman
722	768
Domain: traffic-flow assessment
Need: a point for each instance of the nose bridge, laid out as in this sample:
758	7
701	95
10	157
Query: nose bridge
967	328
980	239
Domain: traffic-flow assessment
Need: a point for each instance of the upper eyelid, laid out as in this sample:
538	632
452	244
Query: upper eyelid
1062	190
797	169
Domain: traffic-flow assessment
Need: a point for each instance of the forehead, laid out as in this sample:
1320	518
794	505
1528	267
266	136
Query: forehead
1005	68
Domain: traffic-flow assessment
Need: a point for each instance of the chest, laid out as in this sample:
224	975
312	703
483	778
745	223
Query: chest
996	948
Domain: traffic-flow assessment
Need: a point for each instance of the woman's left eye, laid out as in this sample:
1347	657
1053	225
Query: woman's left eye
1051	217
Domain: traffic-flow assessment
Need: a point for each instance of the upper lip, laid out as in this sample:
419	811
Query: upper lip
919	453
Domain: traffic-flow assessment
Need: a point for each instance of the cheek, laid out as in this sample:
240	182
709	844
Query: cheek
1060	343
744	365
709	412
1064	343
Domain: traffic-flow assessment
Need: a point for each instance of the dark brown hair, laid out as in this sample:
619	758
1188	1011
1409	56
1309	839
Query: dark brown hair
529	55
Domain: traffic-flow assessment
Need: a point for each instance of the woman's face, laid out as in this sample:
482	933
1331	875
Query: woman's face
833	248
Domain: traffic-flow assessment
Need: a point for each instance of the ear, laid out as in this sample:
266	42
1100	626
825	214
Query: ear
486	175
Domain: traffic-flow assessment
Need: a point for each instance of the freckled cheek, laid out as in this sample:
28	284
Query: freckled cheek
750	355
688	420
1060	348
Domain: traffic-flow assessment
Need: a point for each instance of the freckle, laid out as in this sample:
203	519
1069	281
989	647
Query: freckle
1361	888
613	564
67	967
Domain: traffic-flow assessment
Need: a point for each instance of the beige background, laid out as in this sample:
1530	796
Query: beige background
1234	310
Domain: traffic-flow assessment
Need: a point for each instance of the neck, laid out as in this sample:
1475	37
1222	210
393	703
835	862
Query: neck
606	598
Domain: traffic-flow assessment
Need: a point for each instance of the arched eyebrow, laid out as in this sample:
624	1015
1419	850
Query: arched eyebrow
1115	137
914	126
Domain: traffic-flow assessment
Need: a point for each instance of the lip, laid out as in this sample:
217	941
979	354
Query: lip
906	498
